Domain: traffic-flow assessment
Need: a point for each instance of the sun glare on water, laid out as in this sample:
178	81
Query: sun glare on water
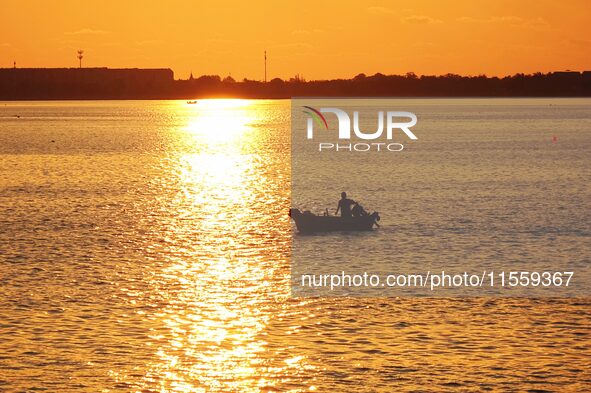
212	327
219	121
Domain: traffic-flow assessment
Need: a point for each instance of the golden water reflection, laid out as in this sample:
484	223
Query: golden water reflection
150	254
215	278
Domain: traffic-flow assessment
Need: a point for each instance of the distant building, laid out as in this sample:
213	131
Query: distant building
83	83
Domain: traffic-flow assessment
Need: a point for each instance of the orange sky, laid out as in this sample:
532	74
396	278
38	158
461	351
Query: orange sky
317	39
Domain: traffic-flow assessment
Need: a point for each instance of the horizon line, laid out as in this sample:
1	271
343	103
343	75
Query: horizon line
299	77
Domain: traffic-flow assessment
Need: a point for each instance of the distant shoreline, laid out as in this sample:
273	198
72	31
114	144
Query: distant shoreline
286	98
28	84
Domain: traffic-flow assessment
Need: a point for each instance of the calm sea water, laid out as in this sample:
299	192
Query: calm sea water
144	246
493	185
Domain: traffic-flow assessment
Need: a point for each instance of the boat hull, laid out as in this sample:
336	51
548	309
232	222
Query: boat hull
310	223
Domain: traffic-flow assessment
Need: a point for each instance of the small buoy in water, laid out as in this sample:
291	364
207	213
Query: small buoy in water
554	139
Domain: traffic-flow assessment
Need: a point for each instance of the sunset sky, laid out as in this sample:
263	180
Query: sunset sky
317	39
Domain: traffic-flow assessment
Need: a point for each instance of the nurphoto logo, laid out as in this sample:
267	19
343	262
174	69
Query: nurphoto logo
392	119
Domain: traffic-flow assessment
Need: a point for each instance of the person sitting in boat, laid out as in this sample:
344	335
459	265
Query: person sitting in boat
358	210
345	206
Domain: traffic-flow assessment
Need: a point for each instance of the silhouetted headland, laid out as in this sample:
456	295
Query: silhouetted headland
135	83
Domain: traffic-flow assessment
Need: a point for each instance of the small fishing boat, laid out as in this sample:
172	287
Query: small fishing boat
192	102
307	222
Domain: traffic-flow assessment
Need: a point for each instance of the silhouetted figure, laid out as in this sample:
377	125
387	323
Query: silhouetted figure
345	206
358	210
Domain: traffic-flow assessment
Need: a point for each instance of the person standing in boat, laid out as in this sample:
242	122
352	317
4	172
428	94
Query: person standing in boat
345	206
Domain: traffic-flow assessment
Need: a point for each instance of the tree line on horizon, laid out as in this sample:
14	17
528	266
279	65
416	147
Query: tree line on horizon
410	84
104	83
